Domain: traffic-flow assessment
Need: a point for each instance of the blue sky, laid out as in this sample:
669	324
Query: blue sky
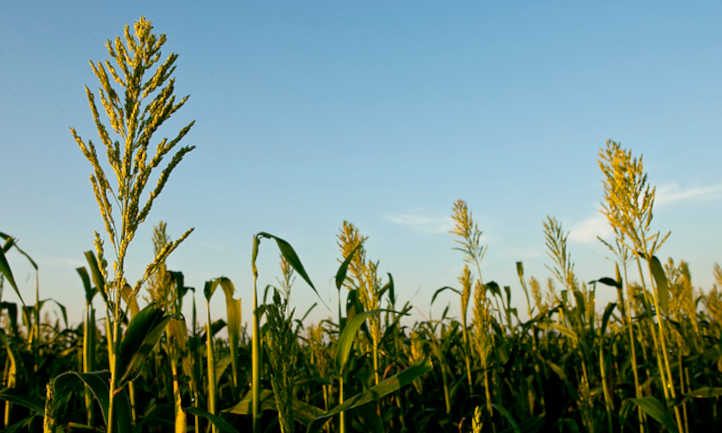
309	113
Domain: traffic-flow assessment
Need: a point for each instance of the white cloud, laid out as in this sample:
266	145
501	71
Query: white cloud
421	222
587	230
672	193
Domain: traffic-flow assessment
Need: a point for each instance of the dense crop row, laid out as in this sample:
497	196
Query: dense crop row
650	361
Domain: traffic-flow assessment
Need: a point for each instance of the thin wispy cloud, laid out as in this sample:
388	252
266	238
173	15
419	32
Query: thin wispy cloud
672	193
421	222
587	230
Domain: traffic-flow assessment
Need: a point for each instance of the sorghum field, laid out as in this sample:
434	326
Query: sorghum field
555	361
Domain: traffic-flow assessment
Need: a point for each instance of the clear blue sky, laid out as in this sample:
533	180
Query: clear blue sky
309	113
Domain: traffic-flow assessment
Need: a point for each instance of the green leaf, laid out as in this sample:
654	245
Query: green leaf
233	312
243	407
97	383
660	278
233	317
386	387
220	367
303	411
493	287
520	270
567	332
510	419
90	291
443	289
216	327
209	287
607	314
144	331
220	423
95	274
343	269
35	406
8	274
657	410
347	337
12	312
21	426
392	289
291	257
608	282
705	392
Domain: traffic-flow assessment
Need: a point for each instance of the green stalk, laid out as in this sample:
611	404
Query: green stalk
665	357
131	396
447	395
487	389
659	340
89	357
195	377
625	306
36	327
342	414
180	415
211	361
48	420
255	344
608	402
6	411
467	350
113	361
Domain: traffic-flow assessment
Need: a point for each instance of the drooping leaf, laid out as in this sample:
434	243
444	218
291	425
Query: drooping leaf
21	426
220	423
24	400
509	418
61	307
493	287
209	287
8	274
89	289
705	392
143	333
392	289
377	392
220	367
605	317
343	269
95	273
441	290
243	407
347	337
607	281
660	279
292	258
97	383
12	311
657	410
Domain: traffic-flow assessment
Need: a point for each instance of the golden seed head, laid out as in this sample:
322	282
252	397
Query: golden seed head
465	283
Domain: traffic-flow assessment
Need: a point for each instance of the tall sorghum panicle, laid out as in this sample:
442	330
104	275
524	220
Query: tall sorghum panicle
483	338
628	206
465	282
364	278
136	97
468	240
